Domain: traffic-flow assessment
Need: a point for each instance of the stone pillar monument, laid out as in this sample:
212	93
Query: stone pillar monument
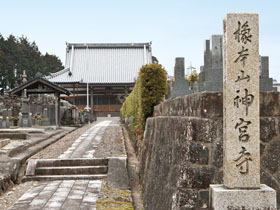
242	188
25	120
181	87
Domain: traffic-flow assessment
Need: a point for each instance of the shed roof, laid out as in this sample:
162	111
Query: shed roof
103	63
32	87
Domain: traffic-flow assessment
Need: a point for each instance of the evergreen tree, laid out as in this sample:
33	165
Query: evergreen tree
17	55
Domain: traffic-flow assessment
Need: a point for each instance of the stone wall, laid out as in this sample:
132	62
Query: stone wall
182	150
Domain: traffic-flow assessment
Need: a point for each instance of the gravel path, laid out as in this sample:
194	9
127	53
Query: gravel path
56	149
112	142
12	195
86	144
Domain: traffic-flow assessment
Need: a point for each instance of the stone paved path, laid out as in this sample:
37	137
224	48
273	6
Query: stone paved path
68	194
55	195
85	145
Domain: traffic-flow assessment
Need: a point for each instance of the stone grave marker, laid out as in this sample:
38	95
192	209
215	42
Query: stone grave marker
266	83
45	121
211	74
25	120
242	188
5	113
181	87
5	121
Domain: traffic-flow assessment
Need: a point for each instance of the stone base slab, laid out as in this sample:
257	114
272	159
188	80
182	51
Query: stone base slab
222	198
117	173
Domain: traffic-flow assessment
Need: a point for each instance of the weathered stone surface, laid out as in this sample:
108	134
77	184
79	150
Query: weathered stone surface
262	148
9	167
16	136
269	104
241	101
205	105
168	139
117	173
271	182
236	199
4	142
199	154
203	201
5	183
185	199
271	159
218	153
268	128
210	105
195	177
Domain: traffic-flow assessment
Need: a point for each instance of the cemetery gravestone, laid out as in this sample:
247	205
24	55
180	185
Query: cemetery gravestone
266	83
5	120
25	120
211	74
242	189
180	86
45	120
4	113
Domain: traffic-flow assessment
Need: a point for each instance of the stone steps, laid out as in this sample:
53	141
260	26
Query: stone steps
72	162
64	177
4	142
66	169
71	170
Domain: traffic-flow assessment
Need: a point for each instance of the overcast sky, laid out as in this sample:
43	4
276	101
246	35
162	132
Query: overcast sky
177	28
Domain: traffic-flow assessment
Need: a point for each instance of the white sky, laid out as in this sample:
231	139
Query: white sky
177	28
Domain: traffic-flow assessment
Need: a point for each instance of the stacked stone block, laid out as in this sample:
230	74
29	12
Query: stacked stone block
182	150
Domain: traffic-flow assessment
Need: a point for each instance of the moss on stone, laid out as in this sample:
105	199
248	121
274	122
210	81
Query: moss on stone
114	199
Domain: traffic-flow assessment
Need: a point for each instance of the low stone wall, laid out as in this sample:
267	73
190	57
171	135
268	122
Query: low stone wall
182	150
5	184
16	136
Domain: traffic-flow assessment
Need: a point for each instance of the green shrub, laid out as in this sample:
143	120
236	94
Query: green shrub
148	91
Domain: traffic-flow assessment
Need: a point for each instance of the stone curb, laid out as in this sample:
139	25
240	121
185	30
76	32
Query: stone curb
21	157
133	172
41	144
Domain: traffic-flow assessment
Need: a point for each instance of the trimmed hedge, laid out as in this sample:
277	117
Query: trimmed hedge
148	91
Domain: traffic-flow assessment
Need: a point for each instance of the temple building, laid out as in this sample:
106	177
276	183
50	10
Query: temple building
99	76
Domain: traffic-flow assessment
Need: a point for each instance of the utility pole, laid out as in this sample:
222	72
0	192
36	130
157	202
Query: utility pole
191	68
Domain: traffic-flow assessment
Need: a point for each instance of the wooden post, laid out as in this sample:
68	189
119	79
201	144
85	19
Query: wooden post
58	109
74	94
91	100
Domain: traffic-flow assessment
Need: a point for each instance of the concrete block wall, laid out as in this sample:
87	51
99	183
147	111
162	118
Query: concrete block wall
182	151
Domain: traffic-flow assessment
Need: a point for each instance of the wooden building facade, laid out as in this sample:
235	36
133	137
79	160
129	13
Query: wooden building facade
100	75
